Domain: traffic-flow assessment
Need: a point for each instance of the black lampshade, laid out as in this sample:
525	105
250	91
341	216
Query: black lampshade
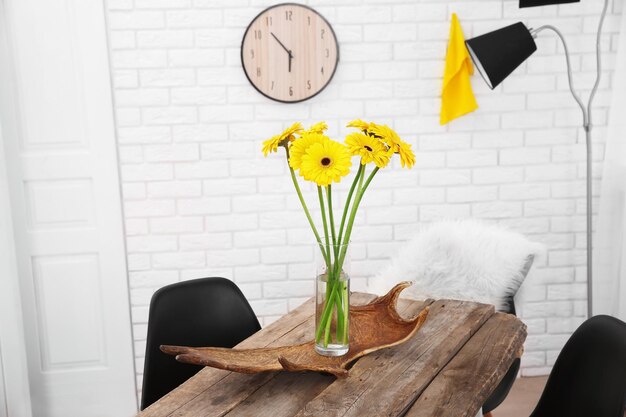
533	3
496	54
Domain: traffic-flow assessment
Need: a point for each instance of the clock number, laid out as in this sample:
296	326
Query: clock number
268	20
290	91
323	31
309	20
251	53
272	87
327	52
308	84
257	34
322	70
288	14
258	71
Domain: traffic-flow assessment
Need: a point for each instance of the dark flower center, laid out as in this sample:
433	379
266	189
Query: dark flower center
325	161
368	148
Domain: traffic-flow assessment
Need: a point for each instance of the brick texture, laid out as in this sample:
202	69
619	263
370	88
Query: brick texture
200	199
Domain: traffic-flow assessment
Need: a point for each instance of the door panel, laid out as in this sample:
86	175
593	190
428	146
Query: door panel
70	328
64	187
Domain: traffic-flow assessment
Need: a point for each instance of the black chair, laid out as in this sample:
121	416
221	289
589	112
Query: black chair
200	312
589	376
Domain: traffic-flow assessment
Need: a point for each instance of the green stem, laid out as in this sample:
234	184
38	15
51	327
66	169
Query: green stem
321	198
331	217
346	317
355	207
328	304
326	318
347	206
327	327
336	296
340	314
305	208
361	179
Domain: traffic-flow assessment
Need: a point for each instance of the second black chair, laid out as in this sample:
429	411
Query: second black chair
200	312
589	376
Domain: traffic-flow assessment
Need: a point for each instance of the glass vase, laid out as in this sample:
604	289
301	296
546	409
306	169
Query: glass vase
332	295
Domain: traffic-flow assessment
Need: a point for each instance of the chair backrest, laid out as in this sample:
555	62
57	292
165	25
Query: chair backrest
200	312
589	376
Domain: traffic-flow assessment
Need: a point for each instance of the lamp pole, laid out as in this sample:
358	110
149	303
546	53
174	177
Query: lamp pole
586	111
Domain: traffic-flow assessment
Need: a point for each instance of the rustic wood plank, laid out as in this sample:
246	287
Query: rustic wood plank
234	388
462	387
295	327
288	392
408	308
284	395
386	383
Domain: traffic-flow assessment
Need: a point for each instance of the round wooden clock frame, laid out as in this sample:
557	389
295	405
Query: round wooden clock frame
288	53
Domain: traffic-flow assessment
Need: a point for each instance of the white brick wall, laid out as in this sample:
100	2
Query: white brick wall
200	200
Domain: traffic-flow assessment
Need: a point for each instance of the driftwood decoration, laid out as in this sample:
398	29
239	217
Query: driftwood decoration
373	326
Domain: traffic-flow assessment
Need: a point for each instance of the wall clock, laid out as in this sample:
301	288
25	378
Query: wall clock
289	52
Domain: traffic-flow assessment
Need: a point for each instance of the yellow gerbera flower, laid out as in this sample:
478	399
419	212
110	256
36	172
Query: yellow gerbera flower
272	144
319	127
407	157
291	131
359	124
325	162
300	146
369	148
396	145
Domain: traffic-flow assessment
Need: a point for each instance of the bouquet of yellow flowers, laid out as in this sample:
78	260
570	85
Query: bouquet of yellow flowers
321	160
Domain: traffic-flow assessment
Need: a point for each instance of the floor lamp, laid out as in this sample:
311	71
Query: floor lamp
496	54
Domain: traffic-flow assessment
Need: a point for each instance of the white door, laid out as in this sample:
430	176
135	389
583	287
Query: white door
62	171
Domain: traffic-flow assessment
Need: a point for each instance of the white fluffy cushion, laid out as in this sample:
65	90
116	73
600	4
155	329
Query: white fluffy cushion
465	260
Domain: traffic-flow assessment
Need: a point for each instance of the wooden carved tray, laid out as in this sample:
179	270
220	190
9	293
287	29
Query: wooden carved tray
373	326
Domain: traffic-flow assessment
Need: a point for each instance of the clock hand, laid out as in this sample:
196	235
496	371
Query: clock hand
281	44
285	48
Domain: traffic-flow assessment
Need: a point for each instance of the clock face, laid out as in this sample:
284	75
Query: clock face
289	52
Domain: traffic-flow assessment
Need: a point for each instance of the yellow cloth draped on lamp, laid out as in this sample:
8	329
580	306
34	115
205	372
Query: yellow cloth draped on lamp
457	97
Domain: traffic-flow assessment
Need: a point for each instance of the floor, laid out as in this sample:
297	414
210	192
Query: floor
523	397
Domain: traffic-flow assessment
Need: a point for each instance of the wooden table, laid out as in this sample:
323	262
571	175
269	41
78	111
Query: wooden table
448	368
